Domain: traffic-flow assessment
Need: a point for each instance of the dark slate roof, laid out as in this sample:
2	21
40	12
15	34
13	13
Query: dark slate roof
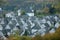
24	23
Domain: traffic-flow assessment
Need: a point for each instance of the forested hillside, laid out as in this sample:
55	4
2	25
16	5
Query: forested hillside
16	4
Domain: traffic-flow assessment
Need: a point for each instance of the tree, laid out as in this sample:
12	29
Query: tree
26	33
3	2
52	10
22	12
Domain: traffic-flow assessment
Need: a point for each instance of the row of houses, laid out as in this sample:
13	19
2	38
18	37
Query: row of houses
31	24
18	13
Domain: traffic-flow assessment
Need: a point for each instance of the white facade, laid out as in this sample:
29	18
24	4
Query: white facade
1	28
0	9
7	27
57	25
49	23
43	26
43	21
30	14
2	21
34	30
15	28
11	14
19	12
52	31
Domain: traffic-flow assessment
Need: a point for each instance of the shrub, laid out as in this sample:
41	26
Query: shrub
19	38
48	36
54	36
37	37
